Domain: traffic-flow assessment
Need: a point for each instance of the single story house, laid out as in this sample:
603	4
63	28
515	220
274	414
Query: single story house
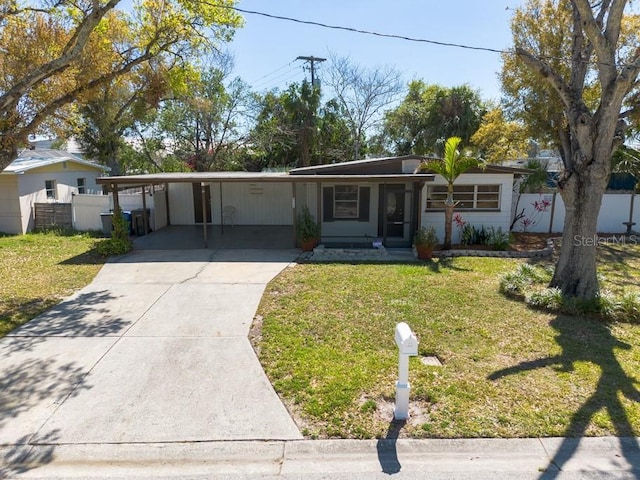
42	177
356	202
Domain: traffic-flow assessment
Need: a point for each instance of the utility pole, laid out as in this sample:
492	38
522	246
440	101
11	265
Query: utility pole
312	61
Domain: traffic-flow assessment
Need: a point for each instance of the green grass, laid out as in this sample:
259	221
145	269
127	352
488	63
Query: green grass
509	371
38	270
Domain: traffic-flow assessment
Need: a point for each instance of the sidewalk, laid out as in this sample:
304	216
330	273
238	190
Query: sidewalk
589	458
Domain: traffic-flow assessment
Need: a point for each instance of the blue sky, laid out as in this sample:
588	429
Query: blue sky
265	49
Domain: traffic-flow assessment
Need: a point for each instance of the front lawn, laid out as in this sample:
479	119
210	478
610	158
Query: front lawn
326	342
38	270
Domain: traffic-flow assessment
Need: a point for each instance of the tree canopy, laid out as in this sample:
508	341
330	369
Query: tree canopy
429	114
574	78
56	53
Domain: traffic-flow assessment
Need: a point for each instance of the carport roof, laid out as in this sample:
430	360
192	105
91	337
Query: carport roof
207	177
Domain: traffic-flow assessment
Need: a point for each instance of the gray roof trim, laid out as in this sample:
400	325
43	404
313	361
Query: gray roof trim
235	177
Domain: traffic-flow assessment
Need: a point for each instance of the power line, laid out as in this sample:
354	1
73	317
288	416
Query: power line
357	30
398	37
277	78
271	73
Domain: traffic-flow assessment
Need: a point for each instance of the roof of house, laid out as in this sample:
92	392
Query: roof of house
30	159
378	170
392	165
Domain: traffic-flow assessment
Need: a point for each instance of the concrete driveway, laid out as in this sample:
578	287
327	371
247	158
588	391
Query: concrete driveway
154	350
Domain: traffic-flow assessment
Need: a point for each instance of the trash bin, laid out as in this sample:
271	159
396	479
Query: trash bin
128	217
137	217
107	223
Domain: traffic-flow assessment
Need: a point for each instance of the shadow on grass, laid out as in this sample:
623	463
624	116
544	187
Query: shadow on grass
586	340
90	257
387	450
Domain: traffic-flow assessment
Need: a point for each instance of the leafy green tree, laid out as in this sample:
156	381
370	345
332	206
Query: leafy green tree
429	114
113	111
205	123
498	140
575	69
293	128
58	53
453	164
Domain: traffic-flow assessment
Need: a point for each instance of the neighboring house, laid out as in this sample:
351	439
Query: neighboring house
42	176
355	202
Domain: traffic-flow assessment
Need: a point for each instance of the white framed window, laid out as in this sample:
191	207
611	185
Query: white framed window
82	185
50	189
469	197
345	201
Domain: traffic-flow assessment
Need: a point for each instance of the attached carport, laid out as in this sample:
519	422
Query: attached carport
278	197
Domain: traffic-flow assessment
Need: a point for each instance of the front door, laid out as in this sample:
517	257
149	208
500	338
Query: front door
197	202
392	216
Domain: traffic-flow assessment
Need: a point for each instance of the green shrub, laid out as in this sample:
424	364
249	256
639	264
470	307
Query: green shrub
471	235
517	282
547	298
497	239
119	243
529	282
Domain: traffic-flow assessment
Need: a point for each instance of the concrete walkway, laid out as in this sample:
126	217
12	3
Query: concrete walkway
155	349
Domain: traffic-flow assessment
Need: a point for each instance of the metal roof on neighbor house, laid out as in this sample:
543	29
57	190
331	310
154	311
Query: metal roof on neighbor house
30	159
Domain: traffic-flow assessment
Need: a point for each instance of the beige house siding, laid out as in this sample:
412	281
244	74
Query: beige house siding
10	216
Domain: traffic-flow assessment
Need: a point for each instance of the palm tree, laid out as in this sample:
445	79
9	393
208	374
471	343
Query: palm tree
451	166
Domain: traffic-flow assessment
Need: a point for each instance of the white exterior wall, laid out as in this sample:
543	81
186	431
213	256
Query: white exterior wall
307	194
264	203
181	204
31	187
10	215
614	212
496	219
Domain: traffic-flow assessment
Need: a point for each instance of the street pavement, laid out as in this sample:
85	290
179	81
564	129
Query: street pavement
148	373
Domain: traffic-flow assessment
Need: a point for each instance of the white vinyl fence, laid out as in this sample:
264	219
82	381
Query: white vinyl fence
87	209
544	213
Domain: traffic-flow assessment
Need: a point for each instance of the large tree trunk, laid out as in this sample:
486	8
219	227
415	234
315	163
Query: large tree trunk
575	274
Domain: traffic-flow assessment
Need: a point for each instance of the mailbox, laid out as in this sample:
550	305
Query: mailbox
407	347
406	340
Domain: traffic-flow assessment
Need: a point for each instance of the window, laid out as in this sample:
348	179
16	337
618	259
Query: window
470	197
50	188
82	188
345	202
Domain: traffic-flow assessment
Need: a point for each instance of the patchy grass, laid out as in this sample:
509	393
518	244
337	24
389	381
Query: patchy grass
508	371
38	270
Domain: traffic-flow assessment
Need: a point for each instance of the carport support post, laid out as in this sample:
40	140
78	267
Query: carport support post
116	200
204	213
145	220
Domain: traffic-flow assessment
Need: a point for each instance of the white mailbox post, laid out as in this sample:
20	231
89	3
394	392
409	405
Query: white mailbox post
407	346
